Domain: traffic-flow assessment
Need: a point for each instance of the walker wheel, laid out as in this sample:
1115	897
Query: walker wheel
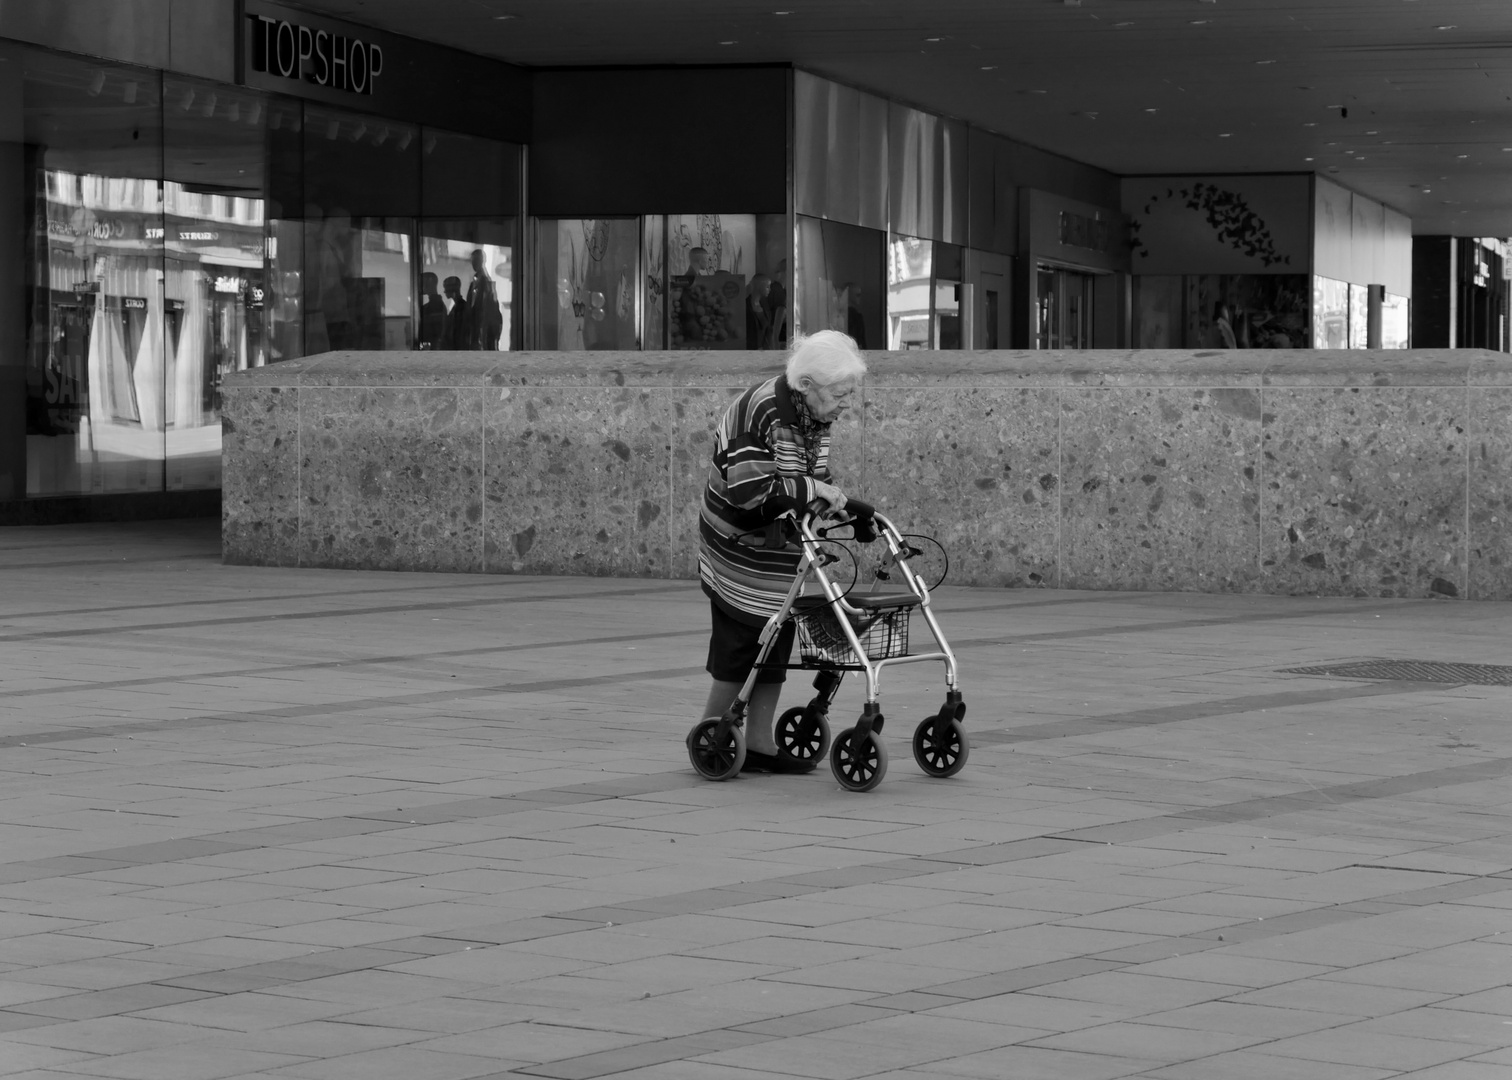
940	747
716	760
858	763
802	736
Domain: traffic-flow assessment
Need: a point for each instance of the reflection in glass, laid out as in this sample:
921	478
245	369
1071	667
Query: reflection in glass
910	275
1063	308
1394	321
466	285
362	189
587	271
1330	313
94	381
654	303
709	261
213	267
841	280
470	202
1359	316
283	300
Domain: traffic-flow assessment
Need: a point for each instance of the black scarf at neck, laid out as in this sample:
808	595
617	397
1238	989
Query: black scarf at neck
810	429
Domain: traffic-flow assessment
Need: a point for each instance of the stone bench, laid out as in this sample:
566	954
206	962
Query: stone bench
1343	473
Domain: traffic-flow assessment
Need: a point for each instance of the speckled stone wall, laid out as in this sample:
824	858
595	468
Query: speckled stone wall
1339	473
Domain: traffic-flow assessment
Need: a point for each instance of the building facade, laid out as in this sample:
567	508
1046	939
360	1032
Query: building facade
195	187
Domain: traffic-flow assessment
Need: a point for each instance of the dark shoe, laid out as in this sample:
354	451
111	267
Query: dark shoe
756	761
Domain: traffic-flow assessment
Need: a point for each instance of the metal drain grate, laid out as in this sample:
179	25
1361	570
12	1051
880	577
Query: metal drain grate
1413	671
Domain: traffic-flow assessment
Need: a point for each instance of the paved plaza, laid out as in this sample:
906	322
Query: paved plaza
322	825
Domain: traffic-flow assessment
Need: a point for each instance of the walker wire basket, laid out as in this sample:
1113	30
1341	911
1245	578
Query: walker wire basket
883	635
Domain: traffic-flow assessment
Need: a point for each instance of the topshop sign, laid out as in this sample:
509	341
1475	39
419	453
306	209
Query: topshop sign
283	50
291	50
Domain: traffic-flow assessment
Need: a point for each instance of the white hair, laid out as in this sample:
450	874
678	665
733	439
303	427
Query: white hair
825	358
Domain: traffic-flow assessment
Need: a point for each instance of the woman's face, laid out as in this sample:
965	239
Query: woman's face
826	403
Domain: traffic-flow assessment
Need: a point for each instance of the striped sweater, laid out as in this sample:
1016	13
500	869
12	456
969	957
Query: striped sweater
760	471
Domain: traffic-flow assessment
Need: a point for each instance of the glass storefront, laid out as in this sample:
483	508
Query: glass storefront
726	281
1330	313
1184	311
841	280
178	230
586	277
1395	324
1063	308
91	150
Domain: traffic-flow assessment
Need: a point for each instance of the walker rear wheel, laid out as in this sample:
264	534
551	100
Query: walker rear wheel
941	747
715	758
858	763
802	736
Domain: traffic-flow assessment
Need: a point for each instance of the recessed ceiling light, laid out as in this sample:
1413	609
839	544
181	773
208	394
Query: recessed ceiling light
1462	157
1199	22
1152	110
934	39
729	43
1225	134
1451	26
1265	61
1307	159
989	67
1372	133
1310	123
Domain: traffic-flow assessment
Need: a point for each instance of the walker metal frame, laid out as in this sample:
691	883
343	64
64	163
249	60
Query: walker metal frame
858	758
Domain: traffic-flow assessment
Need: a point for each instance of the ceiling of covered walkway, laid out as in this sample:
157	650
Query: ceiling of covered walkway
1406	101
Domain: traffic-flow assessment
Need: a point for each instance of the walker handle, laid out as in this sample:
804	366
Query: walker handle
858	509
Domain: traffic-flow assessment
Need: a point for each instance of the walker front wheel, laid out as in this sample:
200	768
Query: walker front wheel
858	763
716	758
802	736
940	746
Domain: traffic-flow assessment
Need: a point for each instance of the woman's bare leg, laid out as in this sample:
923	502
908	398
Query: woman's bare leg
761	711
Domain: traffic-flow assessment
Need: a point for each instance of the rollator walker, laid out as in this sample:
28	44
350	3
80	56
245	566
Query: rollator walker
841	630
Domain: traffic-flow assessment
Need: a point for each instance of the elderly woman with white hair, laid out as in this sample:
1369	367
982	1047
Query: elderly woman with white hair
771	458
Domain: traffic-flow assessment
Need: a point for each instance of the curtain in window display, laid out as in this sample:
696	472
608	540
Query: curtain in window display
97	423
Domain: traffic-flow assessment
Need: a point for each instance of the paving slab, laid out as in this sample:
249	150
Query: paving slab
321	824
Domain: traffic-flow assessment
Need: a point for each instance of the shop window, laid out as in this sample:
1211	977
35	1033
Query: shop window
213	286
717	281
948	285
362	194
1330	313
1261	311
468	227
1359	316
910	275
1395	324
283	303
841	280
91	157
587	274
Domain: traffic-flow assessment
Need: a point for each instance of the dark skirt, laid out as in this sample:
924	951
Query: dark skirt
733	646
